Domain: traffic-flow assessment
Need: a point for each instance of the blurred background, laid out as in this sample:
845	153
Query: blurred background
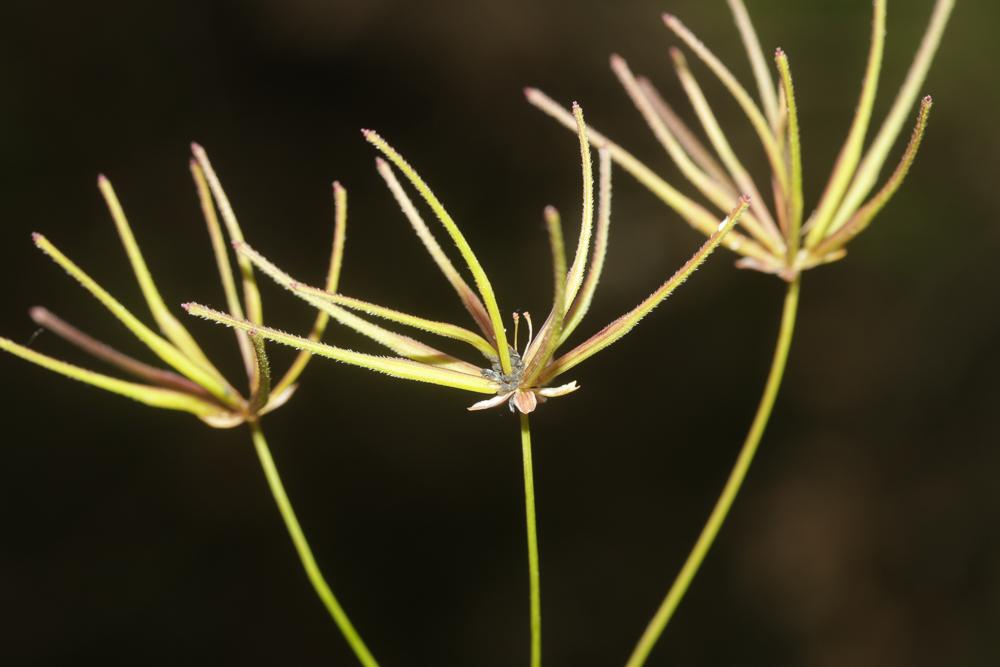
869	529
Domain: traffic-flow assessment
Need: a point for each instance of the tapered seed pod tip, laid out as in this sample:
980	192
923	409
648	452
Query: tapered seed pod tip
675	24
533	94
373	137
38	315
735	213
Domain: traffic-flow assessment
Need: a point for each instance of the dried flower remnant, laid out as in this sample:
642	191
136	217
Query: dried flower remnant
192	383
520	377
779	241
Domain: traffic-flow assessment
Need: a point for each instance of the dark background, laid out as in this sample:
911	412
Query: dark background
869	529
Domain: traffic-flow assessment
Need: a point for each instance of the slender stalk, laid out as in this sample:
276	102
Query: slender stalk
692	212
794	157
765	85
529	512
478	274
305	553
733	484
433	366
768	233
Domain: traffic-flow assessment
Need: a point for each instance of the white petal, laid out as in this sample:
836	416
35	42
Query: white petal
562	390
499	399
223	420
525	400
276	401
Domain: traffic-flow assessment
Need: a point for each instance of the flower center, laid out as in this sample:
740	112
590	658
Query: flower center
508	381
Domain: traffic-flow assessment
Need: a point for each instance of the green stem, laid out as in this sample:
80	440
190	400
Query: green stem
529	512
305	553
733	484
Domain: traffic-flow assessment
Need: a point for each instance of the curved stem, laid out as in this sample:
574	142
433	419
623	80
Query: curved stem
733	484
529	512
305	553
